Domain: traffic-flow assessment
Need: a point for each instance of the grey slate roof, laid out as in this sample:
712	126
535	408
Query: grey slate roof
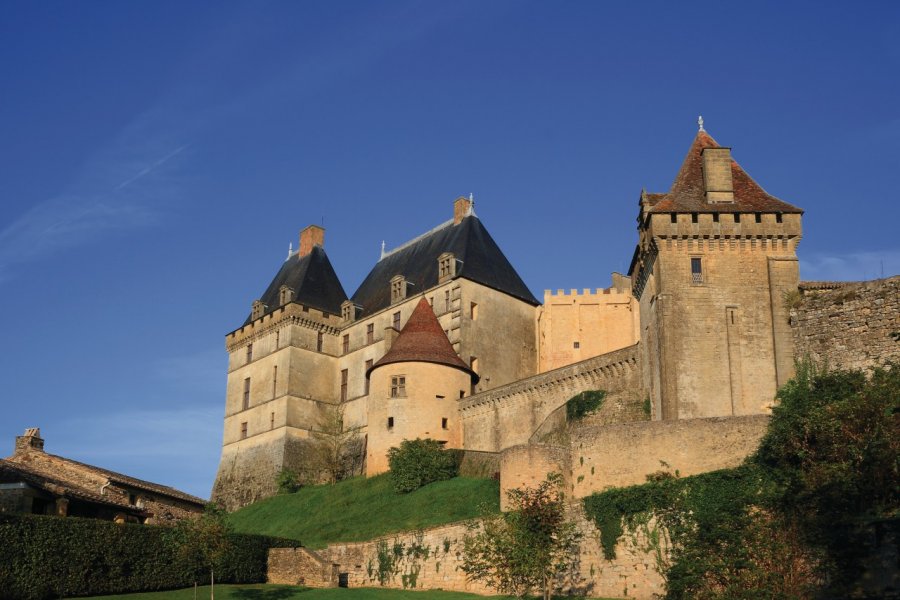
482	261
313	280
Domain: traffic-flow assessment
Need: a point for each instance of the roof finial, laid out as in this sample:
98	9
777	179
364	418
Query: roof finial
470	210
290	249
382	250
700	122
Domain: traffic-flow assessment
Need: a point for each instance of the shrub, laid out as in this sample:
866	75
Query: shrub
419	462
288	481
52	557
583	404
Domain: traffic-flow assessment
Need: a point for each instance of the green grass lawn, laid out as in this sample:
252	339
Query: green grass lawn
360	509
286	592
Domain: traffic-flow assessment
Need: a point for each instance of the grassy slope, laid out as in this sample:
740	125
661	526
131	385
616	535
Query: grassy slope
286	592
360	509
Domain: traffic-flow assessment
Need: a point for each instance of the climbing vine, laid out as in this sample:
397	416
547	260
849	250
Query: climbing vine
583	404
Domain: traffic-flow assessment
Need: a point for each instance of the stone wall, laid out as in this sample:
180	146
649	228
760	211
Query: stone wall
848	325
509	415
593	458
299	566
432	559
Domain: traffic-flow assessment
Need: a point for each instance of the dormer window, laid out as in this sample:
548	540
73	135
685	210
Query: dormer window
348	311
285	295
398	288
446	266
257	310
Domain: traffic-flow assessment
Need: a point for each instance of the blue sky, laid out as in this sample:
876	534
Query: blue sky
158	158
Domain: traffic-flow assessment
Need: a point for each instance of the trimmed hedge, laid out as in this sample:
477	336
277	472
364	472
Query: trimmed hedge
52	557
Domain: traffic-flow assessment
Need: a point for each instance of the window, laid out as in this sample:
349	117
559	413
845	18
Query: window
696	270
132	499
737	217
473	311
244	430
272	421
447	300
249	352
346	344
758	217
396	321
343	385
370	333
446	266
693	217
431	302
576	345
715	217
462	393
285	295
368	366
444	423
390	422
278	339
319	339
246	402
778	218
673	217
274	380
398	288
398	386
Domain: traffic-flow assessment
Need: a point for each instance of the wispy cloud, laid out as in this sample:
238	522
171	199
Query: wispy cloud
178	447
850	266
105	197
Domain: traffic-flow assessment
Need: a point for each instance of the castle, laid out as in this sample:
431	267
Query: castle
444	340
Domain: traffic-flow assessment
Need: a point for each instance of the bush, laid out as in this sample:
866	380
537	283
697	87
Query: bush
583	404
419	462
53	557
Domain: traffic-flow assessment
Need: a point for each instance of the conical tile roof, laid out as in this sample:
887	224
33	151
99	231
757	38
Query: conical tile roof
687	193
423	340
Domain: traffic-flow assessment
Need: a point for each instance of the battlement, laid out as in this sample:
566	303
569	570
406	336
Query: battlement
585	293
725	225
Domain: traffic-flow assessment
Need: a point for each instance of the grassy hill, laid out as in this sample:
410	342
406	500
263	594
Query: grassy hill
360	509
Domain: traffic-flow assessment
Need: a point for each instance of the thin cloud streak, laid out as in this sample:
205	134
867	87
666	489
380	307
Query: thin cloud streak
104	198
152	167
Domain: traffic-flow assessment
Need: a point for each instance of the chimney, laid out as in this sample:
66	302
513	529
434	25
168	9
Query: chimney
717	175
30	442
313	235
462	208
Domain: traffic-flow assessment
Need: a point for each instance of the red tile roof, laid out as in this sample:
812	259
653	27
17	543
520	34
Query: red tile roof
423	340
688	193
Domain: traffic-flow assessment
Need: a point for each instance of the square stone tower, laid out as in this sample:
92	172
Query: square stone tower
715	262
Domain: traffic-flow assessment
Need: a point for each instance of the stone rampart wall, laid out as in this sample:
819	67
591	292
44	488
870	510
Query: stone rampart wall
593	458
299	566
848	325
509	415
432	559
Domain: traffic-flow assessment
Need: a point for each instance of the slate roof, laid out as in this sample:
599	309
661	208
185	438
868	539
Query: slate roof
42	464
313	280
687	193
481	261
422	339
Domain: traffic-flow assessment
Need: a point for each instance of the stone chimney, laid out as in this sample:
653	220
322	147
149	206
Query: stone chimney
313	235
717	175
462	208
30	442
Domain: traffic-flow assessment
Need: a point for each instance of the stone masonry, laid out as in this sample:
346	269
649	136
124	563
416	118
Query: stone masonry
848	325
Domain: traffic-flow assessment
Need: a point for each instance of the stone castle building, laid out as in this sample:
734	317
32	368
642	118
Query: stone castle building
444	340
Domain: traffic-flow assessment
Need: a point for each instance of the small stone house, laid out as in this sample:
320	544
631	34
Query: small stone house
35	482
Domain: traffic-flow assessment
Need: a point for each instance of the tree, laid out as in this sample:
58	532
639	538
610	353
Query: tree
528	547
418	462
336	449
204	541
